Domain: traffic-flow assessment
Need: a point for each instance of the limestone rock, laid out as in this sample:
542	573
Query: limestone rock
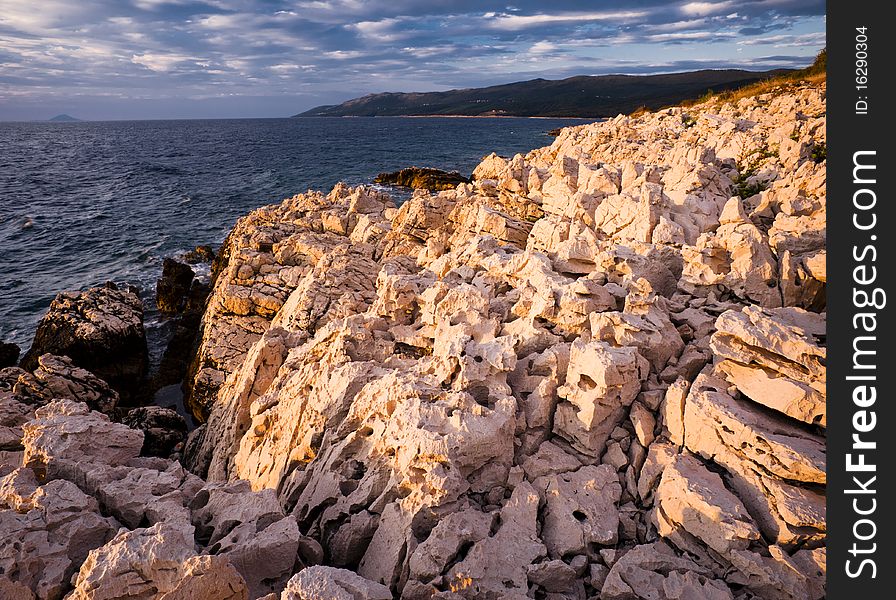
13	415
643	422
265	558
549	459
433	556
793	398
208	577
217	507
12	590
57	377
251	530
694	500
421	177
101	330
775	467
553	576
580	510
200	254
643	325
737	257
265	258
774	358
65	432
656	571
779	447
142	491
340	284
142	563
9	376
659	456
314	583
47	532
601	382
230	417
501	562
226	340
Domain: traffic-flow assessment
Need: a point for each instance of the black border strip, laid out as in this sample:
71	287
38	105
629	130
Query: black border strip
854	255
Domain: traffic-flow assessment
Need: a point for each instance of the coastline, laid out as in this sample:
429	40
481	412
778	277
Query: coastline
443	117
636	311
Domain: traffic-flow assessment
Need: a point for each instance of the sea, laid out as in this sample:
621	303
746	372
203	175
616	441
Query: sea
89	202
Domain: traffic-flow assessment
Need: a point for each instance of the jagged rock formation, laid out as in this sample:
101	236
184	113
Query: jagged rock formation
101	330
99	521
163	429
57	377
597	371
424	178
272	253
203	253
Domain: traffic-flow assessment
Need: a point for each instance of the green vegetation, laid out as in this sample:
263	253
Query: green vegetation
819	152
748	164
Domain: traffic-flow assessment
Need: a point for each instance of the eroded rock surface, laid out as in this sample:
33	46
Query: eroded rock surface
84	516
101	330
597	370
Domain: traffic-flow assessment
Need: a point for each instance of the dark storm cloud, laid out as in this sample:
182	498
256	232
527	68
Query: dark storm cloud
340	48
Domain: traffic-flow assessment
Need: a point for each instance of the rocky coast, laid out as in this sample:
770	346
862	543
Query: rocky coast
595	371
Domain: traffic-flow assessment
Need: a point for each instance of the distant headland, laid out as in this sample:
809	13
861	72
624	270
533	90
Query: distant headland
581	96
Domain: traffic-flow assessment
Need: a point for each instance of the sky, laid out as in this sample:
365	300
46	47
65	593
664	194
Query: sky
154	59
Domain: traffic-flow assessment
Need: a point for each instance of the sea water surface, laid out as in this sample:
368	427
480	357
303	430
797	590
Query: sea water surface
90	202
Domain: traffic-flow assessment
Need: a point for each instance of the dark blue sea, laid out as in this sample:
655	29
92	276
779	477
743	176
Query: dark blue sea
85	203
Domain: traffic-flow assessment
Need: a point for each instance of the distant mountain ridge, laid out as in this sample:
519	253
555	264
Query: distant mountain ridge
580	96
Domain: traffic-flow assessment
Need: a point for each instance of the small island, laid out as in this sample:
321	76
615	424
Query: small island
64	118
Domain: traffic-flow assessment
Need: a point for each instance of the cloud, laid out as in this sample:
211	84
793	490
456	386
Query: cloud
691	36
336	49
703	9
513	22
543	47
344	54
160	63
807	40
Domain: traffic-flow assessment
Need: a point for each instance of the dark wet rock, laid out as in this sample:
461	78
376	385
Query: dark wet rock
101	330
9	355
179	351
163	429
173	286
197	297
57	377
9	376
200	254
422	178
